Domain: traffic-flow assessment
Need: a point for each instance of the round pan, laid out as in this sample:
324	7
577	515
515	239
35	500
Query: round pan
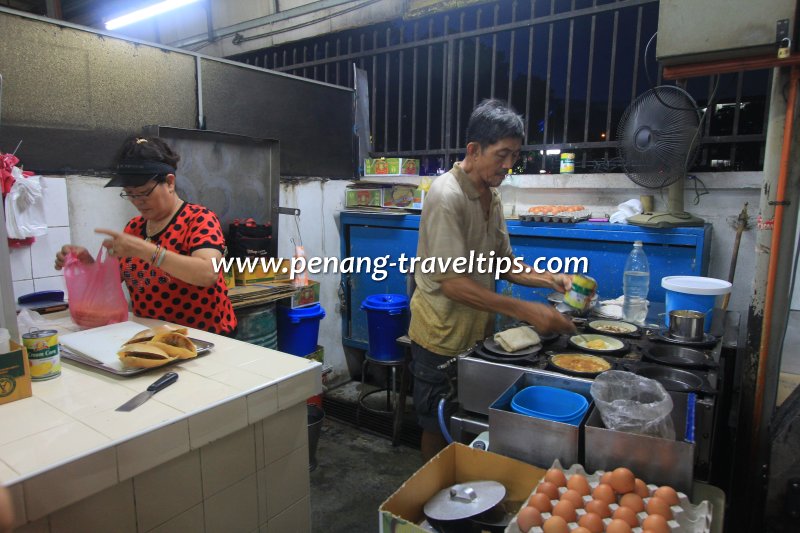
673	379
676	355
616	346
707	341
629	330
482	352
551	363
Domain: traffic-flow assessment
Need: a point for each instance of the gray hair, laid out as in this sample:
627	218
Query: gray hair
491	121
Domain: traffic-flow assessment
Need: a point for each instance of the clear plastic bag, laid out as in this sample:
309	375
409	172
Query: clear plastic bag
95	291
25	207
634	404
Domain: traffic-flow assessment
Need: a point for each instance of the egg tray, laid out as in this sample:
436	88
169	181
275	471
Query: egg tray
565	217
686	517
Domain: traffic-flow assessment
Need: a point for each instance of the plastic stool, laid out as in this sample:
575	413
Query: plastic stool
395	399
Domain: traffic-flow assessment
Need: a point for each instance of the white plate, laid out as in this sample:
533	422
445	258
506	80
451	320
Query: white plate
624	327
612	344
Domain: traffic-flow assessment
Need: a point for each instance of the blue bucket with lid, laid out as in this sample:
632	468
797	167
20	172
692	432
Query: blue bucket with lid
387	319
693	293
298	329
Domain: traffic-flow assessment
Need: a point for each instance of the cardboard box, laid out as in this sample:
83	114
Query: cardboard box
260	274
457	463
15	374
363	198
391	166
303	296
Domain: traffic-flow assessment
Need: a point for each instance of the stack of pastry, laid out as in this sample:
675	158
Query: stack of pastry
156	347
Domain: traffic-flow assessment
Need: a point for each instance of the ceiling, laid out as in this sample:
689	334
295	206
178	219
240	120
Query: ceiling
85	12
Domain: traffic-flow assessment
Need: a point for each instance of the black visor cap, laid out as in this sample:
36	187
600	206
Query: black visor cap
135	173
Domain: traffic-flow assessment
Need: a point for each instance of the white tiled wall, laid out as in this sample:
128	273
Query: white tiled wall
32	266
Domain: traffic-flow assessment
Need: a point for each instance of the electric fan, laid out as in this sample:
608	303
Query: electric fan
656	141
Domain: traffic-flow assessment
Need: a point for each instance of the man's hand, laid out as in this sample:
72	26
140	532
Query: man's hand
561	283
546	319
80	251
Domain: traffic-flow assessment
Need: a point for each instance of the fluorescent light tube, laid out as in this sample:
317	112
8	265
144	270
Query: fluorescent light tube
146	13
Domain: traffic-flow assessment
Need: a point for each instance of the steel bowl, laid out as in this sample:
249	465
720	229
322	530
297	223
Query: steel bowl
686	325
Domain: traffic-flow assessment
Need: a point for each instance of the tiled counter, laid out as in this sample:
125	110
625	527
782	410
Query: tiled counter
223	449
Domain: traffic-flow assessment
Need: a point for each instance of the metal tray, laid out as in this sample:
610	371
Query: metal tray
203	347
564	219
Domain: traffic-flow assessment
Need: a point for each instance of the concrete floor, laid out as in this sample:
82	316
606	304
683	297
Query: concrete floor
356	472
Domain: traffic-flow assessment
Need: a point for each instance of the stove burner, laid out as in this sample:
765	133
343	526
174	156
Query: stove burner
520	360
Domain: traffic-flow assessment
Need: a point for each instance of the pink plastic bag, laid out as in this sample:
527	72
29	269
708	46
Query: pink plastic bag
95	291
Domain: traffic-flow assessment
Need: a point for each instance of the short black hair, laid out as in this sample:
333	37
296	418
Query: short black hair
493	120
138	147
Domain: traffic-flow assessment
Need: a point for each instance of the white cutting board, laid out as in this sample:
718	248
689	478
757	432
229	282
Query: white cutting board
102	343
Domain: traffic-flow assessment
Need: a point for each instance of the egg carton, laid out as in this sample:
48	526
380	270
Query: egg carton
686	517
563	217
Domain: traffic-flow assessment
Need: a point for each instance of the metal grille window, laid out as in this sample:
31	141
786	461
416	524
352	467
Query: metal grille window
570	67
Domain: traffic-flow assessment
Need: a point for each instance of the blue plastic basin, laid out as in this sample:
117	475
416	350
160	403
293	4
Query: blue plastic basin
550	403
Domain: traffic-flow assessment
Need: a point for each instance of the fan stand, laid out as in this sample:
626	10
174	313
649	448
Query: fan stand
675	217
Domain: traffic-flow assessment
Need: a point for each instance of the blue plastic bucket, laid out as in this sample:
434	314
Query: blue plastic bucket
387	319
693	293
298	329
550	403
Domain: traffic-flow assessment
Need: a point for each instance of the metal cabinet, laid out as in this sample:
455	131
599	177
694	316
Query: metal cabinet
367	236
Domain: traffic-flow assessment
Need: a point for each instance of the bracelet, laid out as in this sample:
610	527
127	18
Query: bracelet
161	257
153	257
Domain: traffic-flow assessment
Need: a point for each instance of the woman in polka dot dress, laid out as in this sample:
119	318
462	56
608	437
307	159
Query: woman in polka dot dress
166	252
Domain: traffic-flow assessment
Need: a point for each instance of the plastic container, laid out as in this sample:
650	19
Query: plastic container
550	403
693	293
298	329
635	285
387	319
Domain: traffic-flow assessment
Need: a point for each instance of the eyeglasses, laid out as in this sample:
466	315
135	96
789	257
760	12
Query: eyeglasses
132	197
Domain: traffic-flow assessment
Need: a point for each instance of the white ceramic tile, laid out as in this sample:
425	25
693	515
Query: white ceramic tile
165	492
74	379
110	510
215	423
21	263
192	521
205	366
287	481
240	379
234	509
192	392
296	518
7	474
263	493
277	365
117	424
50	283
262	403
70	483
40	526
44	249
228	460
28	417
18	503
285	432
298	389
82	403
153	449
22	288
258	428
54	195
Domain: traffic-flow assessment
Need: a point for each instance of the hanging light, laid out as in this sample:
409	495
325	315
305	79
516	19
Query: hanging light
146	13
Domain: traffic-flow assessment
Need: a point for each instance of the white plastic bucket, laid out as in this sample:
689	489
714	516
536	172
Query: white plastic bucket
693	293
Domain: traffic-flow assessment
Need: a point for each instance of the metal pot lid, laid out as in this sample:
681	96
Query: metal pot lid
464	500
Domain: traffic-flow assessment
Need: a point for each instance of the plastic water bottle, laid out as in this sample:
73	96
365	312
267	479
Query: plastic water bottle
635	284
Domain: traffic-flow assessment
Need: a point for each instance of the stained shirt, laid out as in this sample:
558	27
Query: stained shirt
156	294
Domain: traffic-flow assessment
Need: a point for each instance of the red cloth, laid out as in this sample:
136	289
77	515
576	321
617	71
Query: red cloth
8	162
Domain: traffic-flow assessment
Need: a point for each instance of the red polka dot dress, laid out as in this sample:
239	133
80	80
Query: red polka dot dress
156	294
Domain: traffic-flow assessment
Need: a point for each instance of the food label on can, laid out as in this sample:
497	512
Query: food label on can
580	295
43	354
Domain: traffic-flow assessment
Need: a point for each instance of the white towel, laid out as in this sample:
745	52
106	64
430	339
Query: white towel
626	210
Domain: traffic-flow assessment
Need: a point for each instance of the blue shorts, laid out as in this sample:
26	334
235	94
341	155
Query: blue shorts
430	385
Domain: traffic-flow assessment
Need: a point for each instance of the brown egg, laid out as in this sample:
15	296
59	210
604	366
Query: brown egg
640	488
573	496
593	522
632	501
667	494
566	510
623	481
605	493
656	505
578	482
618	526
541	502
549	489
598	507
529	517
655	523
555	524
580	529
556	476
627	514
606	478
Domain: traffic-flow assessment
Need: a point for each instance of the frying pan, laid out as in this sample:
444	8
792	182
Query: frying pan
551	365
674	379
676	355
623	346
526	359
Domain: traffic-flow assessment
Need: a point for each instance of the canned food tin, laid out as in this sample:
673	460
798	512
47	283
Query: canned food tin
580	295
567	163
43	354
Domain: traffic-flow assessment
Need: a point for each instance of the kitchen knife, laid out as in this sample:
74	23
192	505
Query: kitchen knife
162	383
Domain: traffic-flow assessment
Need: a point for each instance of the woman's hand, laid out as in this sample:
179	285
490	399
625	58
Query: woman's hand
81	252
120	244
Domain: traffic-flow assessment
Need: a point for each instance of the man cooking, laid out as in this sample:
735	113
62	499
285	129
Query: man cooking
450	310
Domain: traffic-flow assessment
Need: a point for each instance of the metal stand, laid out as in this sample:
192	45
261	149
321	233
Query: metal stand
395	399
